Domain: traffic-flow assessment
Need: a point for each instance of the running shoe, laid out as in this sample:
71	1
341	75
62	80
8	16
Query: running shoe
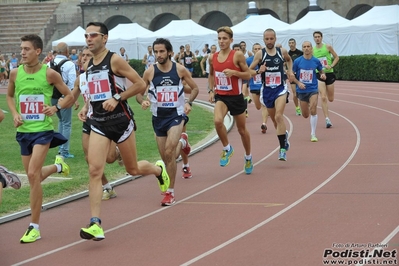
263	128
109	194
64	167
249	166
298	111
287	143
31	235
186	173
225	157
313	138
12	180
119	157
328	123
168	200
248	99
68	155
186	149
163	179
282	155
92	232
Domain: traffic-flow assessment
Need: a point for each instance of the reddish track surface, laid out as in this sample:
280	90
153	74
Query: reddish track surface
342	189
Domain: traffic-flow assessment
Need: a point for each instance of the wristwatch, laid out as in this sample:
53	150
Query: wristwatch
117	97
58	107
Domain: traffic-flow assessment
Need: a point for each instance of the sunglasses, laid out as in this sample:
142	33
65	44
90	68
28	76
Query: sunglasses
93	34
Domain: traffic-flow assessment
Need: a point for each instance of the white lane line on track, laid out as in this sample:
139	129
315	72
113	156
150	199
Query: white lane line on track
384	242
154	212
369	106
369	97
205	254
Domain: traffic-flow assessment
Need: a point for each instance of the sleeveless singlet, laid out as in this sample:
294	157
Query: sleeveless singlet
166	93
226	85
31	92
274	75
103	84
324	56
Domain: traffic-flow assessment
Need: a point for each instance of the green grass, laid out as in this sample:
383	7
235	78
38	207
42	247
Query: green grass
200	125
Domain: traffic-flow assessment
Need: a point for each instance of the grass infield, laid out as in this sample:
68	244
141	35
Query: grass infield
199	126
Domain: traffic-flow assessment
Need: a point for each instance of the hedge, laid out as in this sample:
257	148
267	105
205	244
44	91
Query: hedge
368	68
355	67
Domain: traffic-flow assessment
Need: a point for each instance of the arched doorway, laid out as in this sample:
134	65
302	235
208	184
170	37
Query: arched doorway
215	19
162	20
358	10
266	11
114	21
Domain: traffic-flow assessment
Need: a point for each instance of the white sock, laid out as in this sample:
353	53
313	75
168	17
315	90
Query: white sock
171	191
59	168
107	186
36	226
248	157
185	165
183	143
313	124
227	148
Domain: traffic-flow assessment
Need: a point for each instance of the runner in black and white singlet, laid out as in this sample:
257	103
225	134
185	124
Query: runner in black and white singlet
271	65
112	120
169	108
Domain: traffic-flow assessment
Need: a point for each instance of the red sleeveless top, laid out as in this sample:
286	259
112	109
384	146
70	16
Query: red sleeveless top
226	85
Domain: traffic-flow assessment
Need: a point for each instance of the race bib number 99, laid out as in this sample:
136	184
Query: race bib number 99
31	107
99	87
167	96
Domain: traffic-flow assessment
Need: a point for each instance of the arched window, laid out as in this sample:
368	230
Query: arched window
162	20
358	10
215	19
266	11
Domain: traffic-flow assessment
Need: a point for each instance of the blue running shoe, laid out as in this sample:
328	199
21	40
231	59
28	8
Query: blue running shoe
225	157
328	123
282	155
287	143
248	167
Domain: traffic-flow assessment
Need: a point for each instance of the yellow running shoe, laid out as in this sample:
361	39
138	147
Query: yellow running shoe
313	138
109	194
64	167
92	232
163	179
31	235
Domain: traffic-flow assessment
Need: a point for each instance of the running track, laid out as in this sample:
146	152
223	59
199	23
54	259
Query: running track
342	189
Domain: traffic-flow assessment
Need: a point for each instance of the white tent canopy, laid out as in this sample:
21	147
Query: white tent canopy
251	29
180	32
126	36
75	38
374	32
302	30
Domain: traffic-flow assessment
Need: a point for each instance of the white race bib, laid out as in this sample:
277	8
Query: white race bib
273	79
99	87
31	107
306	76
223	82
167	96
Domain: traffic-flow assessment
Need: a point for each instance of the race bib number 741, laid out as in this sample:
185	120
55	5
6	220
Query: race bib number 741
31	107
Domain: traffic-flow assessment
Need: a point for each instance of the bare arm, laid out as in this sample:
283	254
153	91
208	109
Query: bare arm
334	54
122	68
144	61
239	61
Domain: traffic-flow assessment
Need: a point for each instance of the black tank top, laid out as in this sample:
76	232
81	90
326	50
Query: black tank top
103	84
